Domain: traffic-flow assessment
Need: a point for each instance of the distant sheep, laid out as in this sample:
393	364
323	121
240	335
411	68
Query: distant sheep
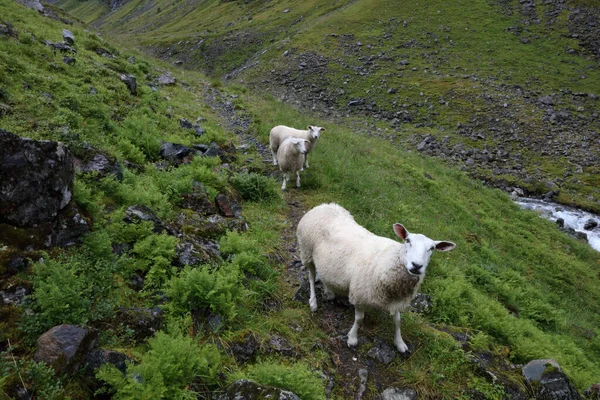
281	132
290	156
373	271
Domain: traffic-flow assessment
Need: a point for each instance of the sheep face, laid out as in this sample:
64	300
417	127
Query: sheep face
315	131
418	249
300	144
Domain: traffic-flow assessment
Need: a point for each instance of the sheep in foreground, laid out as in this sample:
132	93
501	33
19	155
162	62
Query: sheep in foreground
373	271
281	132
290	156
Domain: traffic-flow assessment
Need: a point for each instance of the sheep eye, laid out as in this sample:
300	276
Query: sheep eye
407	241
432	248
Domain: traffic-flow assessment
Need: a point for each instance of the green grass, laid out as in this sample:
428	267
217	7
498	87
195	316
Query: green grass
515	284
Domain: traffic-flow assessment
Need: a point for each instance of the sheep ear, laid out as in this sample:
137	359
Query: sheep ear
401	231
323	129
310	127
444	246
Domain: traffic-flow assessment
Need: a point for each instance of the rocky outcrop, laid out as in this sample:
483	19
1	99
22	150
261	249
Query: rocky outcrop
36	180
248	390
65	347
548	382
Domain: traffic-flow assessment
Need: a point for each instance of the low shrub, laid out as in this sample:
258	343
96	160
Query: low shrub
169	370
255	187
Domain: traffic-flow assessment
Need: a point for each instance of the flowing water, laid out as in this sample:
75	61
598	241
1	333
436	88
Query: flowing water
573	217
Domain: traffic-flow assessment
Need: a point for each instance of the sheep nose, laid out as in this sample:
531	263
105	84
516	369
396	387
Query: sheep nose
416	268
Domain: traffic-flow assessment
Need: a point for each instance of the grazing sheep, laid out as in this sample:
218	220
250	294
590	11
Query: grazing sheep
290	156
373	271
281	132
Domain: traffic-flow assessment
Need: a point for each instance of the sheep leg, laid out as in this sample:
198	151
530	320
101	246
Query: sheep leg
297	178
353	334
311	280
274	156
305	161
400	345
285	179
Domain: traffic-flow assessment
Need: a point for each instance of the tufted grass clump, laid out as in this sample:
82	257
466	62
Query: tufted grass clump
297	378
173	366
255	187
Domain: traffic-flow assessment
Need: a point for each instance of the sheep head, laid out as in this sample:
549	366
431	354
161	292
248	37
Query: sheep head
300	144
315	131
418	249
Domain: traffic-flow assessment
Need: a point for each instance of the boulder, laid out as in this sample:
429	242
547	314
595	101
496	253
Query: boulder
166	79
65	347
97	358
248	390
33	4
130	82
548	381
144	322
68	37
92	160
199	201
590	224
244	350
174	151
194	250
36	180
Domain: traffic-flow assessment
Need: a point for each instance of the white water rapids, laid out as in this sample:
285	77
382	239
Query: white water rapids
573	217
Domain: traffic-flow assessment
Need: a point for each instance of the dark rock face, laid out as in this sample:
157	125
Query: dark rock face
36	180
590	224
247	390
64	347
548	381
194	250
199	201
144	322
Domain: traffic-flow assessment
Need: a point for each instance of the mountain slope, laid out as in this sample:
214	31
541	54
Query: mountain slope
516	288
506	90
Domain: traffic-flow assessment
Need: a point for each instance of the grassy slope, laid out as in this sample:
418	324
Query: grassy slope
460	50
514	282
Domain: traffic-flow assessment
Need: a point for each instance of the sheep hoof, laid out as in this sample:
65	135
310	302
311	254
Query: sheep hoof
313	304
352	341
402	347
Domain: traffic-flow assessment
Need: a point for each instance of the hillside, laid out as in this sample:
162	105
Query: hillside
507	90
183	269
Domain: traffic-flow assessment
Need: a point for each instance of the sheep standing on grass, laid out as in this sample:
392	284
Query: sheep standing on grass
373	271
281	132
290	156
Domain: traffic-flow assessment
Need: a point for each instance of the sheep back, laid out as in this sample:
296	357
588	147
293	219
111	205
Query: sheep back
281	132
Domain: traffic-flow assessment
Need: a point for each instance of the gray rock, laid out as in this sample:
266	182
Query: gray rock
64	347
199	201
227	207
136	213
421	304
279	345
92	160
130	82
68	37
194	250
166	79
144	322
97	358
382	352
36	180
590	224
184	123
398	394
33	4
69	60
174	151
244	350
247	390
199	130
363	374
14	296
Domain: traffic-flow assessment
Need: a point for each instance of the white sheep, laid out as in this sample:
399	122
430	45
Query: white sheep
281	132
373	271
290	156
